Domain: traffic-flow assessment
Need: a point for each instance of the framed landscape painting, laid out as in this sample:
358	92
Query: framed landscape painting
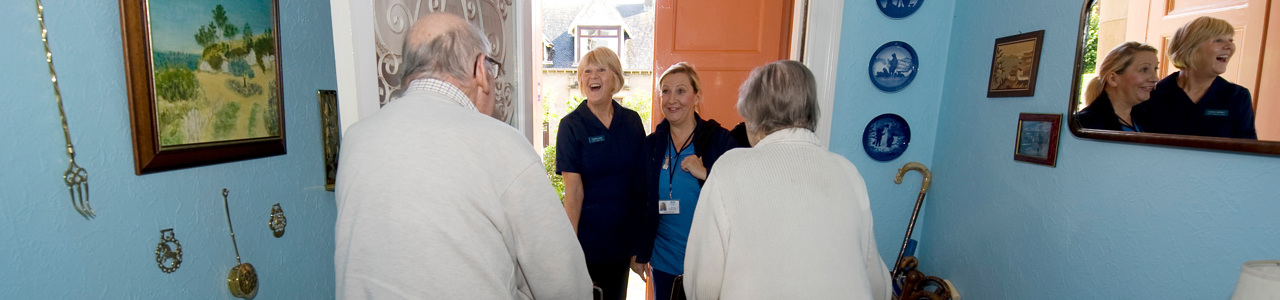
204	81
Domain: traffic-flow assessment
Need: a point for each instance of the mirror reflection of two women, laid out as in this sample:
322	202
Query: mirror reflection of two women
1195	100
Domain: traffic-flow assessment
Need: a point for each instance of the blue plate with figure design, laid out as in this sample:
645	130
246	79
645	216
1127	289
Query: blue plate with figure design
886	137
893	66
897	9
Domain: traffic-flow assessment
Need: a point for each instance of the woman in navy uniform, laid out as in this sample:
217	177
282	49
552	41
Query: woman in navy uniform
597	148
1196	100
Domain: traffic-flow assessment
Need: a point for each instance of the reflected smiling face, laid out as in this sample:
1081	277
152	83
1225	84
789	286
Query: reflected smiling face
1134	83
1214	54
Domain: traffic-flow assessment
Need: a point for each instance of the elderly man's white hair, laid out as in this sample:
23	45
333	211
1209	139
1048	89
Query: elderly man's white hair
441	46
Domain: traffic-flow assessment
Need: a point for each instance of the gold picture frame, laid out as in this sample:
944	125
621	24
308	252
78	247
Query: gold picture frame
330	134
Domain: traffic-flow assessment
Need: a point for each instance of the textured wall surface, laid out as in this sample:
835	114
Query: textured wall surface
50	251
857	101
1111	221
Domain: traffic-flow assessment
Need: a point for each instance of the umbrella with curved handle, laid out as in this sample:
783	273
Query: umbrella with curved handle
924	187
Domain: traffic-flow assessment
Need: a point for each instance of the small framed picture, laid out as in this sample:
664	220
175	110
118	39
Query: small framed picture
1014	64
1038	138
330	131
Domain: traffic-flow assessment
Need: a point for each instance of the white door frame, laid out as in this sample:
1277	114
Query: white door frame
353	55
821	37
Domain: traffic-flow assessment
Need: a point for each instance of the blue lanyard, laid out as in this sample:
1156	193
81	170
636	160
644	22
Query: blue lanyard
671	173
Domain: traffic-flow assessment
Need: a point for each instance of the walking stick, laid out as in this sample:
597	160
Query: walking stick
924	187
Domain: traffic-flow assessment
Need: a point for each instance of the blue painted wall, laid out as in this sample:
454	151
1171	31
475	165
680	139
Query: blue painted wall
857	101
1111	221
49	251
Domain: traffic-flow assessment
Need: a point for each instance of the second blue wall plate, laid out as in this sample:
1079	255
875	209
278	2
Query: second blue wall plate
893	66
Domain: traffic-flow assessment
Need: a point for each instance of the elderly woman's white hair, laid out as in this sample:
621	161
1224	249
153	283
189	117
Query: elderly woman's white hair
782	94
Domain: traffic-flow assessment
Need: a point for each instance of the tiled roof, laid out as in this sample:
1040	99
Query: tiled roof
559	16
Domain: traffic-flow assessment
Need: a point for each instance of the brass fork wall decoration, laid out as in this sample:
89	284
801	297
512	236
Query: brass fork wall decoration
76	178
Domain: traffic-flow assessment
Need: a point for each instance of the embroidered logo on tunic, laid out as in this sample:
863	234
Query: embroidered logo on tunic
1215	112
596	139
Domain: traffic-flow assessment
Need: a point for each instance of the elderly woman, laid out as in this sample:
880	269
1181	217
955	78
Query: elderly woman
596	151
1196	100
678	156
786	219
1126	78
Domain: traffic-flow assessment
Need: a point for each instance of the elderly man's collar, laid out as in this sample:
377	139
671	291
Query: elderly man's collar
451	92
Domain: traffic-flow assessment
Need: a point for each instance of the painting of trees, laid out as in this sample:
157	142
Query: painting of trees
203	81
204	94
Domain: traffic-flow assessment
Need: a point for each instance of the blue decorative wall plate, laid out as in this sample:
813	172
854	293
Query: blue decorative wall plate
886	137
897	9
893	66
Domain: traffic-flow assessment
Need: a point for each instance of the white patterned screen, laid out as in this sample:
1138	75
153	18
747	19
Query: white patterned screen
494	17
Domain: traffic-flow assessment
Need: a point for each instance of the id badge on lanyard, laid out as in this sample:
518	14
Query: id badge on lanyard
669	207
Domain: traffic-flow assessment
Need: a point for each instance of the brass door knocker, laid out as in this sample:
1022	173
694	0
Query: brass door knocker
277	220
166	253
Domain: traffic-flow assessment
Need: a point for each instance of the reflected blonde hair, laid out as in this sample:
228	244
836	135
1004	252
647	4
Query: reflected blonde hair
1115	62
1183	44
603	57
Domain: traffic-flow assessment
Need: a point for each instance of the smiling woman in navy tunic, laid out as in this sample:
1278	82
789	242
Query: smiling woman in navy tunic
597	150
1196	100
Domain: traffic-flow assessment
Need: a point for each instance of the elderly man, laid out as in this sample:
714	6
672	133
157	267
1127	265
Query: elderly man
438	200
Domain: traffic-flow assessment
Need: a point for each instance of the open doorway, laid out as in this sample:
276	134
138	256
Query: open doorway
723	39
569	28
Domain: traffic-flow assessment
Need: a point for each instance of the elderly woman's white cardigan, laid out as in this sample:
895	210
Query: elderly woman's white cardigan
784	220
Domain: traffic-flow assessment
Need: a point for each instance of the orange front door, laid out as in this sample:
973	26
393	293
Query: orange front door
724	40
1154	22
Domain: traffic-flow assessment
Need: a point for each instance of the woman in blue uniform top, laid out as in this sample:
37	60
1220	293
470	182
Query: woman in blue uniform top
677	158
1195	100
596	150
1125	78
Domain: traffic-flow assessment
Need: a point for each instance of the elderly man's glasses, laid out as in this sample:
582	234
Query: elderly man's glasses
491	66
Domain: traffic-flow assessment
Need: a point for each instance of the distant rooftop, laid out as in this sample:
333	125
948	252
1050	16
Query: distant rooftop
559	17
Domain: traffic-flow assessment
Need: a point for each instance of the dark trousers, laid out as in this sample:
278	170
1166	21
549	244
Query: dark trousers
662	283
611	278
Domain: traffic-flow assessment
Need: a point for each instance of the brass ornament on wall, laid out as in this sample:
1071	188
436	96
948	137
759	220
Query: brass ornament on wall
277	220
243	278
164	252
76	178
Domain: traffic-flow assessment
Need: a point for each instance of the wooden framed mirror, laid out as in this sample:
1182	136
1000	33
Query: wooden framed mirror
1105	24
